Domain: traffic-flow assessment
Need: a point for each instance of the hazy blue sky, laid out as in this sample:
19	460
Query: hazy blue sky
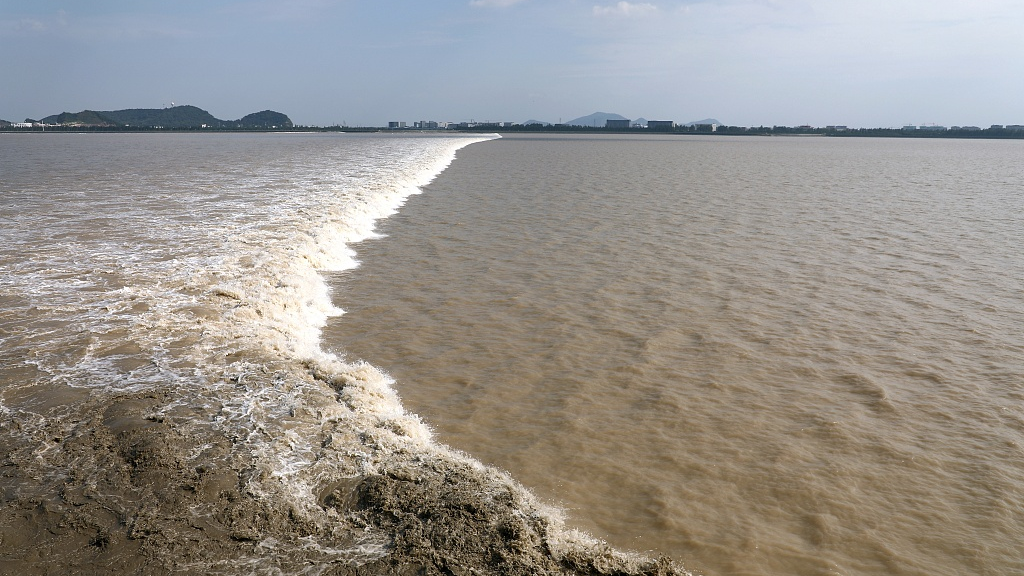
746	62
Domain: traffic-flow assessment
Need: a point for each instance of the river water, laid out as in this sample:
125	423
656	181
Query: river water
758	355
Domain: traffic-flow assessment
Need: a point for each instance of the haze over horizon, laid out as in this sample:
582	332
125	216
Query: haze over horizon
872	63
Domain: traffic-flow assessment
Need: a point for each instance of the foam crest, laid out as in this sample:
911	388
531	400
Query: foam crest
196	329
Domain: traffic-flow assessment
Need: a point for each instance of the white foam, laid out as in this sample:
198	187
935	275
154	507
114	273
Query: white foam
218	263
227	302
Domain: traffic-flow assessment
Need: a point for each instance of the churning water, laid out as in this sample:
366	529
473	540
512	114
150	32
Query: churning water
755	355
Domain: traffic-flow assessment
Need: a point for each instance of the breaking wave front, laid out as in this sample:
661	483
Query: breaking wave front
165	394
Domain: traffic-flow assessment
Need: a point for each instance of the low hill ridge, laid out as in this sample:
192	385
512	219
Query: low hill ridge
83	118
173	117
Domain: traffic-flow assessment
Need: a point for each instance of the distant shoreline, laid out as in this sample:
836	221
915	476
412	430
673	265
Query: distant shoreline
977	134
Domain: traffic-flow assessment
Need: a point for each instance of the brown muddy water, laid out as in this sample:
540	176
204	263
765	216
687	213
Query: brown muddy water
753	355
761	356
165	404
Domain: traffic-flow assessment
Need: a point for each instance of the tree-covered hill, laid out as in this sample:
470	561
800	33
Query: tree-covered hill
83	118
265	119
175	117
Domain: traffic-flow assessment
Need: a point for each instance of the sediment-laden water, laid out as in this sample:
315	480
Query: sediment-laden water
752	355
758	355
166	405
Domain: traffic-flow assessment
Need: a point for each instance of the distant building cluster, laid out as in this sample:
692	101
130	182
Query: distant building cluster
432	125
937	128
929	127
610	124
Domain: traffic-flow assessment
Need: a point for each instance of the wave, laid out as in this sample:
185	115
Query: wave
197	425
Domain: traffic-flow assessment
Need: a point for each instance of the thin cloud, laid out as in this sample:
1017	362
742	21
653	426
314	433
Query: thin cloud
275	11
33	26
625	9
494	3
95	29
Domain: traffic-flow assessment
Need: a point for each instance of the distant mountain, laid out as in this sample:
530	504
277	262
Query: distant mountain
173	117
595	120
640	122
532	122
705	121
5	123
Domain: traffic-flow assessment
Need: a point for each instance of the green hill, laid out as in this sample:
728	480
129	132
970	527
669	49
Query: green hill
266	119
173	117
83	118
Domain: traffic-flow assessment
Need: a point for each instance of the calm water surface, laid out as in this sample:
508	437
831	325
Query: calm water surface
759	355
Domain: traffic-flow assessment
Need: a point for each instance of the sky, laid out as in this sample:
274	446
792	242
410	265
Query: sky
860	63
